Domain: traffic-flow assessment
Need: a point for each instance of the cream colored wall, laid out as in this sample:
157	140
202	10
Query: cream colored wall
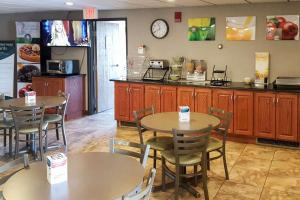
238	55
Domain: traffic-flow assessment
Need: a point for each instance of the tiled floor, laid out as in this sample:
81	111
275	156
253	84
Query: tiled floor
256	172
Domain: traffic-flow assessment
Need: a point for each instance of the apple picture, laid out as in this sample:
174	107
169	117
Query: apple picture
285	27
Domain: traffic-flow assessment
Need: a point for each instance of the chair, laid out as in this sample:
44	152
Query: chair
29	121
58	119
189	150
115	146
13	167
7	124
215	144
146	192
157	143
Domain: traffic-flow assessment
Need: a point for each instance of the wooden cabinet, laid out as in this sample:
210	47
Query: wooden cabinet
243	113
265	115
298	118
163	98
198	99
168	100
128	97
223	99
286	117
74	85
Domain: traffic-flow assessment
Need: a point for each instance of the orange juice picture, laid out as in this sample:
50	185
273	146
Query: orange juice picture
240	28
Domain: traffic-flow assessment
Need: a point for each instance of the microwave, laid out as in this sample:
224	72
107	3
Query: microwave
63	67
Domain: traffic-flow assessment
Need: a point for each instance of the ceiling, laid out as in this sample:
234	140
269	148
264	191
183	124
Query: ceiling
14	6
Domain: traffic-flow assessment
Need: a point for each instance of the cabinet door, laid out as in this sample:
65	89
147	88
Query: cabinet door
202	100
136	98
298	118
286	117
39	86
264	112
54	85
223	99
168	99
185	97
243	112
122	101
152	97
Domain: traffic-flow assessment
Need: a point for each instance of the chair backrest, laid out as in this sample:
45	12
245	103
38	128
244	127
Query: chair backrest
138	115
133	149
225	117
13	167
146	192
191	142
62	108
28	117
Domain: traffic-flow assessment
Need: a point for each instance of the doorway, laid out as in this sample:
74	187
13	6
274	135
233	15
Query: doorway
111	59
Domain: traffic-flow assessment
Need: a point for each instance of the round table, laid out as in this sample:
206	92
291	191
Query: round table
90	176
166	121
47	101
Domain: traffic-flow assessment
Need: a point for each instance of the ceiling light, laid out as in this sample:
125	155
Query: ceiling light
69	3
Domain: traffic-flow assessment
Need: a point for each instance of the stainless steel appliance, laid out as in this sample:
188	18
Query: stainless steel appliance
63	67
219	77
287	83
159	64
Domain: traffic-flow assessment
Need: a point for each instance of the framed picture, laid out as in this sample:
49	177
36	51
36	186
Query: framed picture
240	28
202	29
283	27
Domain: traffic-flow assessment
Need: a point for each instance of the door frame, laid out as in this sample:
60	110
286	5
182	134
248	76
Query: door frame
95	49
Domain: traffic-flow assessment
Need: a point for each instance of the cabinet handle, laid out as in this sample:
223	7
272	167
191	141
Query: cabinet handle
127	90
231	97
158	92
161	92
277	100
274	100
195	94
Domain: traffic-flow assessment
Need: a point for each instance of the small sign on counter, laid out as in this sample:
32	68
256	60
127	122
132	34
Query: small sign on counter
184	113
57	168
30	97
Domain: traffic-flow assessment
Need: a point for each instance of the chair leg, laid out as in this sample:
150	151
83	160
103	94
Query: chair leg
27	138
208	161
4	137
41	145
64	134
195	175
204	179
225	166
154	158
177	179
10	142
163	174
56	129
16	145
46	140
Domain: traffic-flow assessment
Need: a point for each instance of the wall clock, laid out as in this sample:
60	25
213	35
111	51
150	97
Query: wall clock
159	28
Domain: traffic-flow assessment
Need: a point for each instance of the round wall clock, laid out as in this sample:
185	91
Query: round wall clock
159	28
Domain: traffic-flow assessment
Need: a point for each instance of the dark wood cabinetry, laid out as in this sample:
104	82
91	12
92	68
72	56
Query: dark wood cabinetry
185	97
74	85
223	99
243	113
128	97
286	117
203	100
265	115
152	97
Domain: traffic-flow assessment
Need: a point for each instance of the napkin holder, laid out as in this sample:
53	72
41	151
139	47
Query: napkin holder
184	113
30	97
57	168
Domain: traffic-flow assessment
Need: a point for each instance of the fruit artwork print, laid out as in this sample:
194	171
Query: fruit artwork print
283	27
201	29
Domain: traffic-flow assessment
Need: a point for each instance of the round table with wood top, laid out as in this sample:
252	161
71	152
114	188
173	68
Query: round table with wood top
90	176
166	121
47	101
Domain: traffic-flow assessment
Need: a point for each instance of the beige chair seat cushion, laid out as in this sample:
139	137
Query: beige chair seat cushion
52	118
9	123
190	159
160	143
214	144
29	130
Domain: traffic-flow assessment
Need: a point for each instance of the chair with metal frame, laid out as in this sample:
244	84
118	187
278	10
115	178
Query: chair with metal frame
189	150
7	123
57	119
146	192
157	143
11	168
29	121
216	145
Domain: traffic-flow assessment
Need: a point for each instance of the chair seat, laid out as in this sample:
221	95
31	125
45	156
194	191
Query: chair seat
190	159
214	144
29	130
52	118
160	143
6	124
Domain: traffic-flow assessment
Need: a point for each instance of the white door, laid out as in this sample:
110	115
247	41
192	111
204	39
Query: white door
111	60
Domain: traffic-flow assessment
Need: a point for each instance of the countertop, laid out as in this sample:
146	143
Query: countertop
232	85
59	75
